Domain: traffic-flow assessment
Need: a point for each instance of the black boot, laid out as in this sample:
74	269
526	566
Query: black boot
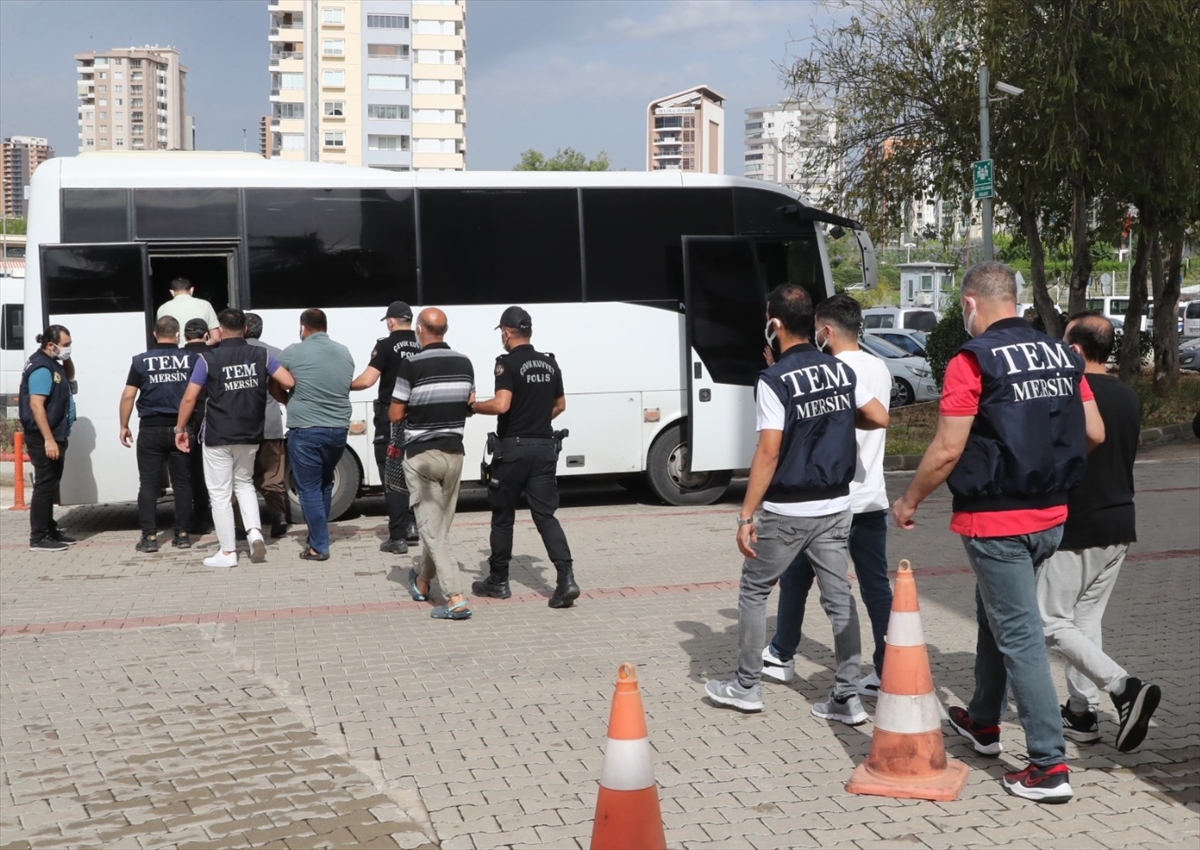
492	586
567	590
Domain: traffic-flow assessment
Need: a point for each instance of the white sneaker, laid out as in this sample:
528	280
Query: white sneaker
222	560
258	546
776	670
868	685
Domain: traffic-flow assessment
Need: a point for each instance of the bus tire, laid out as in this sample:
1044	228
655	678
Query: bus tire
667	475
347	482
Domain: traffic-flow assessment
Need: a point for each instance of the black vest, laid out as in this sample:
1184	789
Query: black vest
164	371
237	393
818	454
1028	443
58	403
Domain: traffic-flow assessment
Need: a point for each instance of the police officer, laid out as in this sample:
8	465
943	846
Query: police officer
197	338
157	380
47	411
529	394
386	356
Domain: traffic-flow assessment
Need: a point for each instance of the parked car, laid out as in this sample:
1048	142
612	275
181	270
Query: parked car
913	342
912	376
1189	355
1189	319
913	318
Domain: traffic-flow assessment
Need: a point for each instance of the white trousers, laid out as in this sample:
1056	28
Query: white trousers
229	470
1073	587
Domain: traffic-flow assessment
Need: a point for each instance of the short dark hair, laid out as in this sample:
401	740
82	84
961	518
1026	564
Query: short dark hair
793	307
195	329
232	319
52	335
843	311
314	319
167	326
180	283
254	326
1093	333
991	281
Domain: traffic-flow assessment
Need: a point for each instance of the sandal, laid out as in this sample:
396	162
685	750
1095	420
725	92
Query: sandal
458	611
309	555
416	595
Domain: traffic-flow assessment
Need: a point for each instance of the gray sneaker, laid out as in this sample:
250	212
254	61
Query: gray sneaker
849	711
734	695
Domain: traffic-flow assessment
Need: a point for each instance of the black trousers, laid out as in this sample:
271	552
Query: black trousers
200	503
47	475
530	470
400	512
155	447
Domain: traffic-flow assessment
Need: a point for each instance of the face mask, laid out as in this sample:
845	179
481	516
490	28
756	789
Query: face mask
822	344
771	331
969	316
64	352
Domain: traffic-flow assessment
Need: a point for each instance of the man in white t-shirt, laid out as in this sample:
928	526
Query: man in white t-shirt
184	307
808	405
838	321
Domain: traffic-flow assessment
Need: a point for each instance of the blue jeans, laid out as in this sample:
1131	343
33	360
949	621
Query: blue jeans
1010	646
868	549
314	454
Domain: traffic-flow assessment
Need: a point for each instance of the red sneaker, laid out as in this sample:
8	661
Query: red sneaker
1040	784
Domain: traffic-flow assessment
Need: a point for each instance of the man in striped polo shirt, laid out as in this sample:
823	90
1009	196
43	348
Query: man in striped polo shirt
434	390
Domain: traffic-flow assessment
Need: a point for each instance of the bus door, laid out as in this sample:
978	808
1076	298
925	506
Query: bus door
211	268
726	281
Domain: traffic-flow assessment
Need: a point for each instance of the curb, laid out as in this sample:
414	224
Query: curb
1148	437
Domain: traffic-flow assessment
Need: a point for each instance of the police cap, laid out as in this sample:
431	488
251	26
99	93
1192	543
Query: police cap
515	317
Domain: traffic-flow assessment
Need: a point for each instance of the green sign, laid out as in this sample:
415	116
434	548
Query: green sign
981	173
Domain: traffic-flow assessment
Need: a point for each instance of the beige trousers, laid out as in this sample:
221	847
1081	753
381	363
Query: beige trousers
433	480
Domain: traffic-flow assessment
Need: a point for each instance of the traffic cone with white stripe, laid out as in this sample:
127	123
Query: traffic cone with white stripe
627	812
908	756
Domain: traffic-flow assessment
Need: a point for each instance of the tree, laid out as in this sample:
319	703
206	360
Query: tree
564	159
13	225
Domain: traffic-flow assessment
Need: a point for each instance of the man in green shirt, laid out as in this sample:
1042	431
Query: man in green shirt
318	421
184	307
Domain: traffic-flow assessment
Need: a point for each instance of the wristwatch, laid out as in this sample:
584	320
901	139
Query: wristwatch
742	522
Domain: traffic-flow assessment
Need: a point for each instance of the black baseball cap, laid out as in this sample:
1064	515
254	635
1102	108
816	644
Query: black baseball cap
398	310
195	329
515	317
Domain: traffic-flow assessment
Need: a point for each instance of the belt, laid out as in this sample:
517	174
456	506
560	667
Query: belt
527	441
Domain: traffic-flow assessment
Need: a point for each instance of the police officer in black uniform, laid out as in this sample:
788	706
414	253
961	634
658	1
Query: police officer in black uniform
386	357
529	394
157	380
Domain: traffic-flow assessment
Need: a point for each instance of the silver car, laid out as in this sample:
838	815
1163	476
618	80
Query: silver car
911	376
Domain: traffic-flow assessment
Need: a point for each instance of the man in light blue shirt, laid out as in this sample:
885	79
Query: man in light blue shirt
318	421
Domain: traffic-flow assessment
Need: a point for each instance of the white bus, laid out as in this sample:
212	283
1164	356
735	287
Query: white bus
648	287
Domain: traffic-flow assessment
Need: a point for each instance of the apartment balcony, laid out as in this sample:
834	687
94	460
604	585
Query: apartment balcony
436	12
290	32
437	101
437	72
437	131
437	42
668	141
668	154
281	58
437	160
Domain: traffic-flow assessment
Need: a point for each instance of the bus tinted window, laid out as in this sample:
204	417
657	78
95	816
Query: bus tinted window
726	308
758	211
185	213
330	247
86	279
633	241
500	246
95	215
12	327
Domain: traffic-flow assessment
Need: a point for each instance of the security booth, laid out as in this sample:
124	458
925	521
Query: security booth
926	285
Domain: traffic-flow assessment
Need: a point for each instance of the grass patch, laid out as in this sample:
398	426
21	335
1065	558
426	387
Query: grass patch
912	428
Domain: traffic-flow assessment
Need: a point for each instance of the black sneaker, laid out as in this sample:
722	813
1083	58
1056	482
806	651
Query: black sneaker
1041	784
411	535
985	739
493	587
1135	704
182	540
64	539
394	547
47	544
148	544
279	527
1083	728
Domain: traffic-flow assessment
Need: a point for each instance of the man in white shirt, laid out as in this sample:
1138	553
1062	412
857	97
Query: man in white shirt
808	405
838	321
183	307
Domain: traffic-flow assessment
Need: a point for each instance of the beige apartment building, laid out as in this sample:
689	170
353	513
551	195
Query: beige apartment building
133	98
22	154
379	83
686	132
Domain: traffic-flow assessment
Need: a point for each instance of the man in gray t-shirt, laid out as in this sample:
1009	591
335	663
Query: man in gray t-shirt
318	421
270	463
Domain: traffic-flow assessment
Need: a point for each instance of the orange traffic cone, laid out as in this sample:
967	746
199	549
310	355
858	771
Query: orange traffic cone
627	812
908	756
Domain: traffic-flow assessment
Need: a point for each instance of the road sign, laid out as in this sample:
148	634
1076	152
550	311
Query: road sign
981	172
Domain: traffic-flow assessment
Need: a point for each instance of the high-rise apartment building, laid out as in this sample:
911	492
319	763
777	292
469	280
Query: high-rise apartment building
686	132
133	98
22	154
782	142
379	83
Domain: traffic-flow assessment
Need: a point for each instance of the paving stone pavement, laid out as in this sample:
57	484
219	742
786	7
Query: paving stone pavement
148	702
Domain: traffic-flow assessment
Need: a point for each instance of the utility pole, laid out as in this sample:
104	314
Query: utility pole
985	152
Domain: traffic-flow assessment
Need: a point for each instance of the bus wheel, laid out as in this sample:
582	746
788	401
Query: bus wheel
347	481
666	472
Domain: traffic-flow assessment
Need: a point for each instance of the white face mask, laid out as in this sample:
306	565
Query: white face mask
64	352
771	331
822	344
969	316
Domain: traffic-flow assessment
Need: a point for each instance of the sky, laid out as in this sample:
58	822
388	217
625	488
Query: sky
541	74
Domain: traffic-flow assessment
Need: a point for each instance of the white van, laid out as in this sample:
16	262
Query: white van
912	318
1189	317
1114	307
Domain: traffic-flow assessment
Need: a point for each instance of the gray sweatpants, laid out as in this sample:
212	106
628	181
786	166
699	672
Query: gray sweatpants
780	539
1073	587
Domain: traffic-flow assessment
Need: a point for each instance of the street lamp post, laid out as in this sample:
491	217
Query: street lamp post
985	131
